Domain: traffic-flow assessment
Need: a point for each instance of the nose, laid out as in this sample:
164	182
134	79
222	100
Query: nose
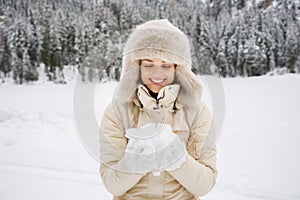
157	71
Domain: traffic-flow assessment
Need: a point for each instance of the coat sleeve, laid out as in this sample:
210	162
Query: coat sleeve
198	173
115	174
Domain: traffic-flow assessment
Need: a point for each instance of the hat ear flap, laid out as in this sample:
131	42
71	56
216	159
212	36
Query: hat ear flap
127	85
190	87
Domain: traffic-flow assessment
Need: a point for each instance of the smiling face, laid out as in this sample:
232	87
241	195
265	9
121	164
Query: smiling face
156	73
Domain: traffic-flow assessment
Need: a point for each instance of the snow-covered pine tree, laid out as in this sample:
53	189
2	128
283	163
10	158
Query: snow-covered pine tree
202	45
30	71
292	48
281	44
80	54
5	51
33	40
267	25
56	59
221	59
18	45
45	37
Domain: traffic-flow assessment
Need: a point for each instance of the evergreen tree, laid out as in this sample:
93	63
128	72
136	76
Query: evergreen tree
221	59
80	53
5	52
30	72
232	51
291	43
268	42
45	38
202	46
55	58
18	45
33	43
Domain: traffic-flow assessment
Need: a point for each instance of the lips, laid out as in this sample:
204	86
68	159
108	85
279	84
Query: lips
157	81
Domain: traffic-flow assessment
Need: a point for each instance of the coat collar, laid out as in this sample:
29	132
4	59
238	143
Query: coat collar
166	98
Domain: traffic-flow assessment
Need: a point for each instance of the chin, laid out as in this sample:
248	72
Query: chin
155	89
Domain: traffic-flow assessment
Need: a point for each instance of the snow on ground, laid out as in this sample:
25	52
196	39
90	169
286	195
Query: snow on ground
41	156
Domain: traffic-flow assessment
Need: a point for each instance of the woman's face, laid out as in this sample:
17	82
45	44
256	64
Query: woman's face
156	73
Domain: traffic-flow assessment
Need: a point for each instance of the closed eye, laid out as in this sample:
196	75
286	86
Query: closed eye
166	66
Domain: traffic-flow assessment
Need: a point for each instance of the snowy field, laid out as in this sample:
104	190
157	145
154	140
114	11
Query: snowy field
41	156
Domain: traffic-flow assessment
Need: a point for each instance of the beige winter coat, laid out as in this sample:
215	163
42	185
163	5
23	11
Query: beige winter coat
179	105
197	175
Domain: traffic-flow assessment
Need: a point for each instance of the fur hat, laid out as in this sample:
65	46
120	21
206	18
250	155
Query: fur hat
159	39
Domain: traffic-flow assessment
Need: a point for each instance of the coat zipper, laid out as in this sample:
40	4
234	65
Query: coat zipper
157	105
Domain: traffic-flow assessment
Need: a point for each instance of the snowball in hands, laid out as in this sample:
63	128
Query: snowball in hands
154	148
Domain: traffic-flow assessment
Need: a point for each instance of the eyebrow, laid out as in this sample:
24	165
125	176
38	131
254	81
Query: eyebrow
149	60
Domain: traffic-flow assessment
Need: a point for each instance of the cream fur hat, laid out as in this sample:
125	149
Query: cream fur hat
159	39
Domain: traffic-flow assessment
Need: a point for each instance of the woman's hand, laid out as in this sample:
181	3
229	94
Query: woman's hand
140	156
154	148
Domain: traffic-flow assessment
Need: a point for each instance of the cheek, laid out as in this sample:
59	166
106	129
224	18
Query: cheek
144	76
171	76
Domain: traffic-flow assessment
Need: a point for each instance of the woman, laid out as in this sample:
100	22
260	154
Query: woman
158	95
